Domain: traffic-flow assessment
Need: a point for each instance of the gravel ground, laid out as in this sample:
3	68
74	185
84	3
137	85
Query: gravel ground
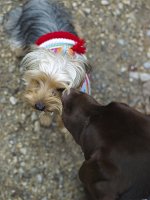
38	163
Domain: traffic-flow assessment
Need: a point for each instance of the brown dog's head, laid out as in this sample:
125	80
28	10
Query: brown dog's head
77	109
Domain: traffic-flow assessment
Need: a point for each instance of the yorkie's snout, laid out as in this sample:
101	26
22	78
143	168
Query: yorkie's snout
40	106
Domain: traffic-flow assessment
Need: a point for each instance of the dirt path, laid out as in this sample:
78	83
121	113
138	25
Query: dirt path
38	163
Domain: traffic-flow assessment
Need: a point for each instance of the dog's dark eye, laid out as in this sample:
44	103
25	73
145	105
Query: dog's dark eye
36	83
60	89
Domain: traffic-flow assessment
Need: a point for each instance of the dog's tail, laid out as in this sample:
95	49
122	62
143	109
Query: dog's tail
35	18
11	27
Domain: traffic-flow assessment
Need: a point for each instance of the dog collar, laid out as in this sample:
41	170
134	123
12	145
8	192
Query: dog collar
67	43
86	87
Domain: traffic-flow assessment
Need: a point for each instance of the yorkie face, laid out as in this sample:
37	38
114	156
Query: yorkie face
43	92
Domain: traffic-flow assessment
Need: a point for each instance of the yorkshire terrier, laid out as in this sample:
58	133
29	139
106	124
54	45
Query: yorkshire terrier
54	56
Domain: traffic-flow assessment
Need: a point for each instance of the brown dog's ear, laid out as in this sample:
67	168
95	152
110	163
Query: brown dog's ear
96	171
89	172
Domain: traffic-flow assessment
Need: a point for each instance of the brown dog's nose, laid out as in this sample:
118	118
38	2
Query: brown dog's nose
40	106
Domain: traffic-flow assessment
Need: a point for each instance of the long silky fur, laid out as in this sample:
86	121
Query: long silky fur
63	68
37	17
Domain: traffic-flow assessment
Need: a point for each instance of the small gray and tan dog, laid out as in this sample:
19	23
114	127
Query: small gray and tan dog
53	55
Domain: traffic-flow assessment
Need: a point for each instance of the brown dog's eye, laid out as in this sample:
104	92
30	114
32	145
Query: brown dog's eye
60	89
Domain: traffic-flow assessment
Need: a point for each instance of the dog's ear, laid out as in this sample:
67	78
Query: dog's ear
88	67
97	169
89	172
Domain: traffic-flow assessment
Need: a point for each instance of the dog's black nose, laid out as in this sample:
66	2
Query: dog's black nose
40	106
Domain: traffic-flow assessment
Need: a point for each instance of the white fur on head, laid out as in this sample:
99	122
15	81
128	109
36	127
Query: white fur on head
66	69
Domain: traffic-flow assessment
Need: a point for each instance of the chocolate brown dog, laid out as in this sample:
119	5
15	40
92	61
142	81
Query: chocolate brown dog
115	140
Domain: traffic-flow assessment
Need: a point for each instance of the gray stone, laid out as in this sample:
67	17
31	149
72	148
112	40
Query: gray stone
148	32
33	116
23	150
147	65
13	100
139	75
121	42
39	178
44	198
36	126
105	2
2	100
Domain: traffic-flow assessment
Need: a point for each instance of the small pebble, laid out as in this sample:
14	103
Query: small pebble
11	142
21	171
148	54
44	198
33	117
87	10
6	92
120	6
148	33
22	164
39	178
36	126
104	2
12	68
117	12
3	100
122	42
74	4
147	65
1	19
23	150
13	100
144	77
123	69
126	2
137	75
23	117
